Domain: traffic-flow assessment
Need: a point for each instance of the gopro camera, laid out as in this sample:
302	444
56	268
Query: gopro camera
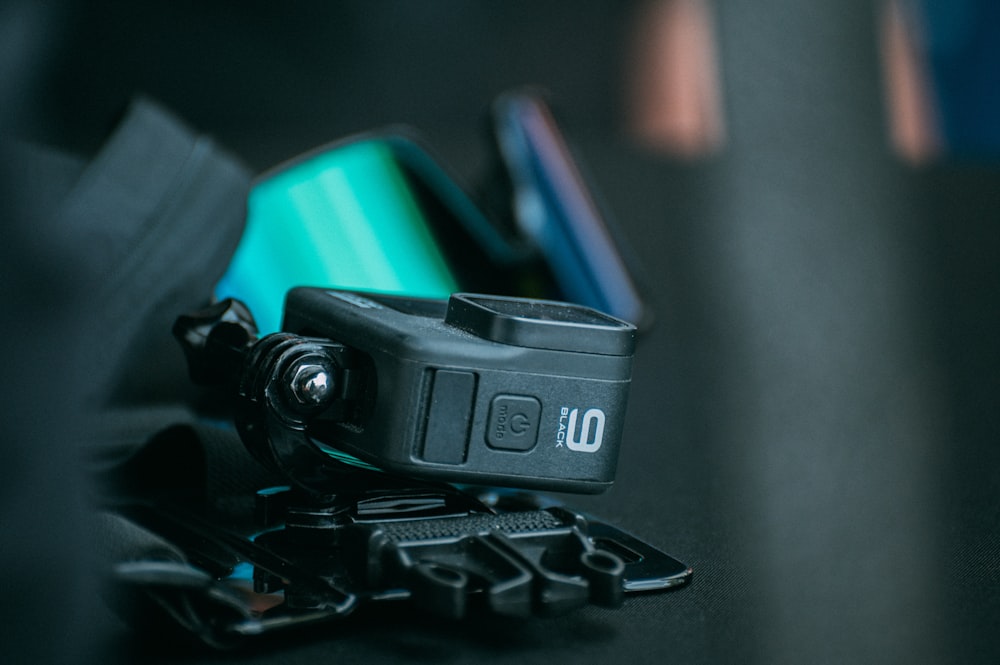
478	389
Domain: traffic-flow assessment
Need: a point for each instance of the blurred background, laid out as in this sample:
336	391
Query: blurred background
812	187
282	79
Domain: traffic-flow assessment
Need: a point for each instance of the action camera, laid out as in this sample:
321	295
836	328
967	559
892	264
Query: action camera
478	389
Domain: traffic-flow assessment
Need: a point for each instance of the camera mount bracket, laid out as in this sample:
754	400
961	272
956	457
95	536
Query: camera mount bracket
283	383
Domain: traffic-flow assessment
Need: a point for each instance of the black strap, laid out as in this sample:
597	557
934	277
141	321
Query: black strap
99	256
159	212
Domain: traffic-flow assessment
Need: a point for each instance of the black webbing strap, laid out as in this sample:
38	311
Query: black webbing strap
158	212
99	256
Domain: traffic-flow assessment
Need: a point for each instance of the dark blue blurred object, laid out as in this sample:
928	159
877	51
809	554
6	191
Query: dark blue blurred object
555	208
963	54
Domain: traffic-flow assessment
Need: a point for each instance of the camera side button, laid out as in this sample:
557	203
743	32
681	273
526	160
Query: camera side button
449	416
513	422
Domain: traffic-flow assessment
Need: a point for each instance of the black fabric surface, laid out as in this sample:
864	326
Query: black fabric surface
813	419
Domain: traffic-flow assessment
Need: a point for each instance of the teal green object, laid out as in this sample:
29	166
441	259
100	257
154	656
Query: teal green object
345	218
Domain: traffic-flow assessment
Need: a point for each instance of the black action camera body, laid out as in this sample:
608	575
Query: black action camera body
478	389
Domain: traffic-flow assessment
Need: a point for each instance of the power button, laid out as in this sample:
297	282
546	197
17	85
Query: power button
513	422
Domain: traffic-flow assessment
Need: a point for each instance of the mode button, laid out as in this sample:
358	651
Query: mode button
513	422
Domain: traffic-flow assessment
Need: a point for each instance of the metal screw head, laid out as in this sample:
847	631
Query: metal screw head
312	383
